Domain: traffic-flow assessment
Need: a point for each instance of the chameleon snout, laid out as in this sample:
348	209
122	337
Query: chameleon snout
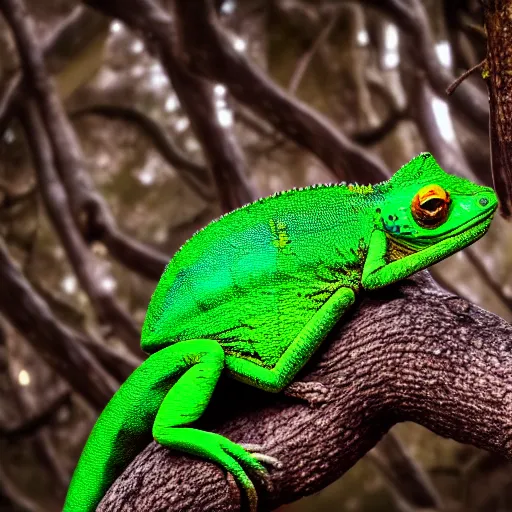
487	200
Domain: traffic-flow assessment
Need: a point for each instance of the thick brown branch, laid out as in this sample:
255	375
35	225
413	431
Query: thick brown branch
225	157
89	209
55	343
410	352
498	24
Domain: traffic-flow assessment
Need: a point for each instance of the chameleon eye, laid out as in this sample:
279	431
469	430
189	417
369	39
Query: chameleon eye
430	205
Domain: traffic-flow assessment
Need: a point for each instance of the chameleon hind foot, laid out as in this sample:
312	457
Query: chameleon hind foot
258	452
216	448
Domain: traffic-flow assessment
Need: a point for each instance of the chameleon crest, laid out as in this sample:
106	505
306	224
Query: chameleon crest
255	293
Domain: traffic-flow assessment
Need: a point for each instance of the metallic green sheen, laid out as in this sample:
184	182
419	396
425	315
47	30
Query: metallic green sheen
253	294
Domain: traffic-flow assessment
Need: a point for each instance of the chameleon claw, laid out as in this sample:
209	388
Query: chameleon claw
252	447
256	450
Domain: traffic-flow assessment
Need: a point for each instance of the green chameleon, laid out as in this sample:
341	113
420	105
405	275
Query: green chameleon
255	292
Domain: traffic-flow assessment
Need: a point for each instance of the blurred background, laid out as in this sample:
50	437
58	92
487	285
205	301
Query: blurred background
106	170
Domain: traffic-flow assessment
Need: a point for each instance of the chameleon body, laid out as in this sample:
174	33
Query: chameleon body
254	294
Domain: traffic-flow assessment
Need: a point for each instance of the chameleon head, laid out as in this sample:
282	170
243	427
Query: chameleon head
425	205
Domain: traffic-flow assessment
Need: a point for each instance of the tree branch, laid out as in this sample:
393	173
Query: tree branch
198	39
89	209
409	352
82	22
305	60
209	51
56	344
499	83
407	479
83	261
31	425
411	17
196	176
448	153
220	146
222	151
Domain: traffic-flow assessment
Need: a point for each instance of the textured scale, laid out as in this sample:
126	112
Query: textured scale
253	278
255	292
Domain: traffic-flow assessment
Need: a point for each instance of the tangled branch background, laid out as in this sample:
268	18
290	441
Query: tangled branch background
126	126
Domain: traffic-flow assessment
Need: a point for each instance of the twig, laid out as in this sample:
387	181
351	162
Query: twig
31	425
305	60
451	88
55	343
196	176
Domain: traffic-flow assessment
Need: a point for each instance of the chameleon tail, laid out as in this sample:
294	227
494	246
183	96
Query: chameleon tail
122	430
125	426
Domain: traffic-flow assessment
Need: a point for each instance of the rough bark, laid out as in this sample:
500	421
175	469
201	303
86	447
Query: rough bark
410	352
498	23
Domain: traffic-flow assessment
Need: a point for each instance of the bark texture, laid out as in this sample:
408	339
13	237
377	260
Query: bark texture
498	23
410	352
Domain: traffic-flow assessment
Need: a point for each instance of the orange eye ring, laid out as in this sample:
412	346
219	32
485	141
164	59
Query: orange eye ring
430	205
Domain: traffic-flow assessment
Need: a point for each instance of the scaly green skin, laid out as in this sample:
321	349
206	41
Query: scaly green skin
254	294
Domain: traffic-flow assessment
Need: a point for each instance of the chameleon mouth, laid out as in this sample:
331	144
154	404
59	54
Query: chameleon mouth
472	226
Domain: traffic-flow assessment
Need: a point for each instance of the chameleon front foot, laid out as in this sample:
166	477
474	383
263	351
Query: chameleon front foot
216	448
